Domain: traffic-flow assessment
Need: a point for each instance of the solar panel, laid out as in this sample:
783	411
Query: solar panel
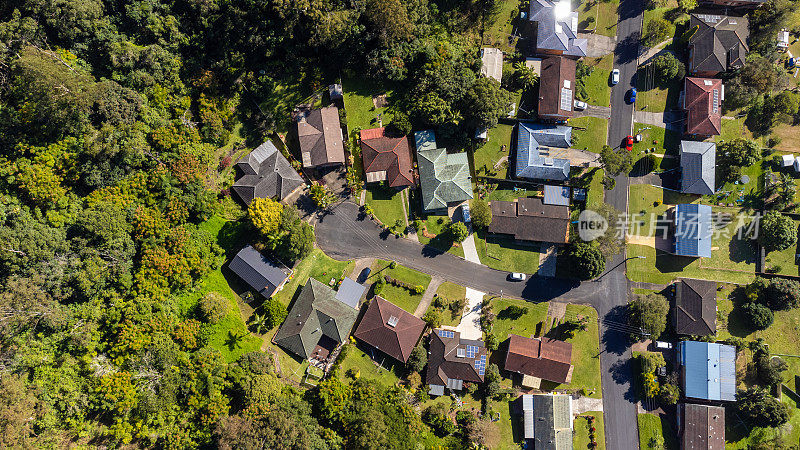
566	99
716	101
480	365
472	351
446	333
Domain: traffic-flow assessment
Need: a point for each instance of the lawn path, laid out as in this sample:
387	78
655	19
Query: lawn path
427	297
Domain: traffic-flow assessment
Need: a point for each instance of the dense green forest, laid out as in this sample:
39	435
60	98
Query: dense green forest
113	120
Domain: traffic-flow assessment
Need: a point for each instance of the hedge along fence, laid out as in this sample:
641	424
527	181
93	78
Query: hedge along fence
418	289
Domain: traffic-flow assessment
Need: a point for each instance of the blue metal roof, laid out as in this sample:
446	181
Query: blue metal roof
693	230
709	370
530	164
425	140
556	195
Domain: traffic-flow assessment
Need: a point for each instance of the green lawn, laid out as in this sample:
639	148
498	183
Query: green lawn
653	97
597	84
450	292
580	440
585	344
284	95
604	13
657	141
400	296
361	111
382	371
496	34
651	427
503	253
486	156
594	137
387	204
660	13
749	195
784	259
432	226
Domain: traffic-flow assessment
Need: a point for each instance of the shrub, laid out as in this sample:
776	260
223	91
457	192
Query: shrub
377	288
515	312
458	231
757	315
481	213
419	289
777	232
584	261
418	359
436	416
213	307
257	363
433	318
669	394
761	409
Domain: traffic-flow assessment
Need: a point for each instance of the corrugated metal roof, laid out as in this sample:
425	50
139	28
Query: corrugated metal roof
556	195
527	416
709	370
693	230
257	271
529	163
350	292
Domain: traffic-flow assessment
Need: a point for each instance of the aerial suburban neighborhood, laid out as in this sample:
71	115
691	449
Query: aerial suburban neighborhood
387	224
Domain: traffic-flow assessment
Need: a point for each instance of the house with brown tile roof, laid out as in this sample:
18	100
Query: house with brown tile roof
695	310
702	100
529	219
718	45
543	358
453	360
321	140
702	427
556	88
386	158
389	329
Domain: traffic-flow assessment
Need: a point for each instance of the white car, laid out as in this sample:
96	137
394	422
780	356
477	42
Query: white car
516	276
579	105
614	76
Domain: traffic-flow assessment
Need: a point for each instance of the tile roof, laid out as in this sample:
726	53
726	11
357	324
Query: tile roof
443	177
314	314
529	163
390	329
719	44
529	219
557	27
267	174
695	307
546	358
387	157
556	87
693	230
451	362
698	167
703	104
547	419
708	370
258	271
702	427
320	136
492	63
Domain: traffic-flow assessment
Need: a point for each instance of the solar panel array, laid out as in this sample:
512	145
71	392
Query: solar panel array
472	351
566	99
446	334
715	105
480	365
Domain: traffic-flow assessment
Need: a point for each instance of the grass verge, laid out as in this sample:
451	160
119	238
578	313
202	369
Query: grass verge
401	296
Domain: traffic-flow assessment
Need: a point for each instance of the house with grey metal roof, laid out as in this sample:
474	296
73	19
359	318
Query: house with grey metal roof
530	163
707	370
547	419
350	292
267	174
692	230
701	427
698	167
316	324
444	177
695	310
557	28
259	272
556	195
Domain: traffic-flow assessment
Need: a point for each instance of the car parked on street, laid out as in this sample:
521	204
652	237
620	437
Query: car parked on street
614	77
632	95
516	276
628	142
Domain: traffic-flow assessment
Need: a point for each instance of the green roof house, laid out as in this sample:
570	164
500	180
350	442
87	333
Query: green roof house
547	419
444	177
316	324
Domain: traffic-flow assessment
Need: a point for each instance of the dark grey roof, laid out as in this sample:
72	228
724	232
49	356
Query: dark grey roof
695	307
719	44
556	195
350	292
557	27
257	271
702	427
552	428
693	230
530	164
268	174
698	162
321	140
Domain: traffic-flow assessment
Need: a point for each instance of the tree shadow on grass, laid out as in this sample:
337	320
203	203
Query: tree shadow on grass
742	250
668	263
232	237
736	323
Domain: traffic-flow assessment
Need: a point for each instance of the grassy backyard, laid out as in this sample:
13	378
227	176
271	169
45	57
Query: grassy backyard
593	138
503	253
435	224
656	429
597	84
581	440
487	156
387	204
401	296
585	344
361	111
496	34
784	261
384	371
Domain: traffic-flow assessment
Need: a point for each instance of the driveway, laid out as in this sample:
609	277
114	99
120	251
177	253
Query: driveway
470	325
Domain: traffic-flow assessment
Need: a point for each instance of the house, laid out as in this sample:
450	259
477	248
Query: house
532	139
692	230
444	178
787	160
529	219
547	419
539	358
556	88
316	324
707	370
386	158
695	307
739	4
698	167
389	329
350	292
453	361
260	273
492	63
783	40
556	195
701	427
702	100
321	141
267	174
557	28
718	45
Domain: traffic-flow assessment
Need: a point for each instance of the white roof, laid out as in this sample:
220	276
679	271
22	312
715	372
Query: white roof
787	160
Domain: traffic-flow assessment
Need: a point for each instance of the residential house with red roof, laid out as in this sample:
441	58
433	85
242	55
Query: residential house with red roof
386	158
542	358
389	329
702	100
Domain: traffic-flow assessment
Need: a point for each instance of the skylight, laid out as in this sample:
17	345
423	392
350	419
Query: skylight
392	322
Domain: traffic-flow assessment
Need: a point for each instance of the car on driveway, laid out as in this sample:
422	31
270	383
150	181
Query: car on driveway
579	105
362	277
628	141
516	276
632	95
465	213
614	76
